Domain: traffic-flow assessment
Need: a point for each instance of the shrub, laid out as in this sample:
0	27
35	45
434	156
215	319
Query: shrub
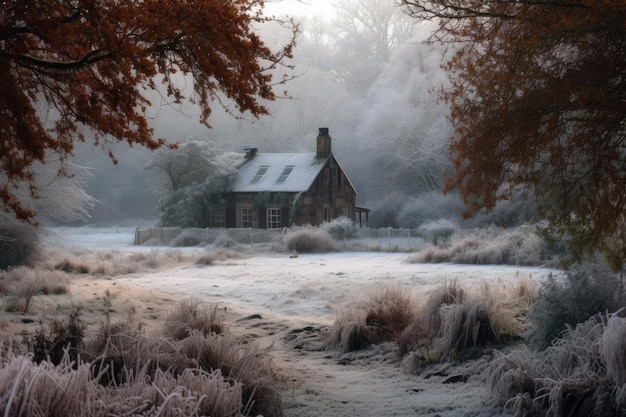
581	374
491	245
584	291
341	228
60	340
310	241
186	238
224	241
19	243
438	232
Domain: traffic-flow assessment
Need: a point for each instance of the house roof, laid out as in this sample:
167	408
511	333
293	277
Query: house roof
279	172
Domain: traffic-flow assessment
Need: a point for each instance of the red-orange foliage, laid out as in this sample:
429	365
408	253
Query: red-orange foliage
538	102
76	69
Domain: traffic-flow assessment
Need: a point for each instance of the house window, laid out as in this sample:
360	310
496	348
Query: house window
273	218
259	174
285	174
246	217
326	214
217	217
345	212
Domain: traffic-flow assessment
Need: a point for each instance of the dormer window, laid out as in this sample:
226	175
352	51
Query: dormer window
259	174
285	174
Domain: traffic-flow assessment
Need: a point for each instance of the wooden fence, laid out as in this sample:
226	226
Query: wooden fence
177	236
383	238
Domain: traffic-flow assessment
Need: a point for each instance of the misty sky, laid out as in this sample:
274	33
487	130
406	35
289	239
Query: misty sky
389	132
300	7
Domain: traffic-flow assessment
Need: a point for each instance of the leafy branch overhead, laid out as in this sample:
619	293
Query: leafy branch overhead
79	70
538	103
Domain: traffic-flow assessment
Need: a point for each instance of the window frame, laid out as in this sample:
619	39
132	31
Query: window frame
246	217
273	216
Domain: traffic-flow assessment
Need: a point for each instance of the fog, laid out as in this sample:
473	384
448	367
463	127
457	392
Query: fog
362	69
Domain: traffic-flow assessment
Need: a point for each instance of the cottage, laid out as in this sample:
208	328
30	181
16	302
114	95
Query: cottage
275	190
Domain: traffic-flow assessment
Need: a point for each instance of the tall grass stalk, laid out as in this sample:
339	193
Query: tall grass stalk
581	373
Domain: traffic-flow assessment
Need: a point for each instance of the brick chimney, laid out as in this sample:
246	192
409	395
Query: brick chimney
323	143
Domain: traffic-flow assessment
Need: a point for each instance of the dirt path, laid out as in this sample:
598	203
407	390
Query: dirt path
316	381
370	383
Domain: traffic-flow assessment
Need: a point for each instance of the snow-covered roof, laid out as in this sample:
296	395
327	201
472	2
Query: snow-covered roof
279	172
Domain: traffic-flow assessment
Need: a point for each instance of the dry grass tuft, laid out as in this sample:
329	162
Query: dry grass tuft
310	241
110	262
449	292
349	331
246	364
451	322
390	312
191	316
69	389
465	326
24	283
122	372
381	316
222	255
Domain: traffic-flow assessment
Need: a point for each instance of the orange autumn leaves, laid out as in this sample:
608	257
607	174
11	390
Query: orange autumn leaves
77	70
538	101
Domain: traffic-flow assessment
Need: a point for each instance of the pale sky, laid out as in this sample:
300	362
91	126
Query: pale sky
298	7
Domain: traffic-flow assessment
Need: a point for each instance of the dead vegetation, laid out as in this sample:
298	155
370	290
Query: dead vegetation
451	322
198	369
581	374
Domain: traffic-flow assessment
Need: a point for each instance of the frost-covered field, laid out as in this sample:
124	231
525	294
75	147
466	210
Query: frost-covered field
297	297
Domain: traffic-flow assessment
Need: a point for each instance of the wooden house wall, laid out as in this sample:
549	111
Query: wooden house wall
330	192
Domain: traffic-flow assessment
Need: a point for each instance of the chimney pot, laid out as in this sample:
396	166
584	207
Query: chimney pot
323	143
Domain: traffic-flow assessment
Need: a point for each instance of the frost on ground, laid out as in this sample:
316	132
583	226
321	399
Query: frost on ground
286	305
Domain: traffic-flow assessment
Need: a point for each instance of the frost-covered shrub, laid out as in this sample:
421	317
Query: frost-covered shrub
309	240
224	241
581	374
186	238
427	207
584	291
340	228
438	232
490	246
